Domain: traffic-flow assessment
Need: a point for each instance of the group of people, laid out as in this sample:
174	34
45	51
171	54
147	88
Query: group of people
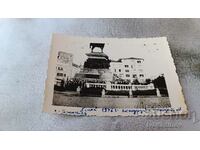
134	82
120	82
95	81
73	83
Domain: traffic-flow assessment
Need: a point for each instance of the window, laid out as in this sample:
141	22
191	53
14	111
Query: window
127	75
126	70
59	74
134	75
138	61
115	70
64	75
131	66
141	75
119	70
126	66
60	68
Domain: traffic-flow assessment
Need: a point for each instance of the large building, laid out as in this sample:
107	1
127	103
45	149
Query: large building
128	69
65	68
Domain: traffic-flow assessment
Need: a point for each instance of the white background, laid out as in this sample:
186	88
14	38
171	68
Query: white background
25	46
103	8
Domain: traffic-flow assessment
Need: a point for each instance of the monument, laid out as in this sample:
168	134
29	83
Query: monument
97	64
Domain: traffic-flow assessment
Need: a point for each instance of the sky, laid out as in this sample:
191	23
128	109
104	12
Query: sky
152	50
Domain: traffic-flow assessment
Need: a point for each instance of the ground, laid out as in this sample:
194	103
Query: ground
63	99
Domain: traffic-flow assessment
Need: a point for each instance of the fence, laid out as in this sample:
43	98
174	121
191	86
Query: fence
120	87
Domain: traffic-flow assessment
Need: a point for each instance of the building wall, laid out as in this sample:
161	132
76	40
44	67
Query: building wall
75	69
64	66
128	69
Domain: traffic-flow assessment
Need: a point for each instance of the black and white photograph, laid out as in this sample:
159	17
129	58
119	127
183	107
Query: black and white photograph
111	74
100	81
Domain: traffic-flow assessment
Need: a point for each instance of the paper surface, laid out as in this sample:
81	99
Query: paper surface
112	77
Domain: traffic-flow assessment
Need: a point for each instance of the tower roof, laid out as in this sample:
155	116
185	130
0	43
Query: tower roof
97	54
99	45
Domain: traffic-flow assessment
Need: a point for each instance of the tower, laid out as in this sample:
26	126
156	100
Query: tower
97	64
97	59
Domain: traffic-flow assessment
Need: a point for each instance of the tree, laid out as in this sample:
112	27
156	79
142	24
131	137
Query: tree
159	82
136	81
148	81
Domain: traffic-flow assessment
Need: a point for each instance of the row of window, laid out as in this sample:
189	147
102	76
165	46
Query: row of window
59	68
61	74
119	70
127	66
126	70
134	75
128	75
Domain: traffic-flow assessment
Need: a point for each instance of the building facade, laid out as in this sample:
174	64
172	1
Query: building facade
65	68
128	69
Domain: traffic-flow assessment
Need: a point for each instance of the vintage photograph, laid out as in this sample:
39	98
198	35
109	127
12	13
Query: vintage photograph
100	81
111	73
